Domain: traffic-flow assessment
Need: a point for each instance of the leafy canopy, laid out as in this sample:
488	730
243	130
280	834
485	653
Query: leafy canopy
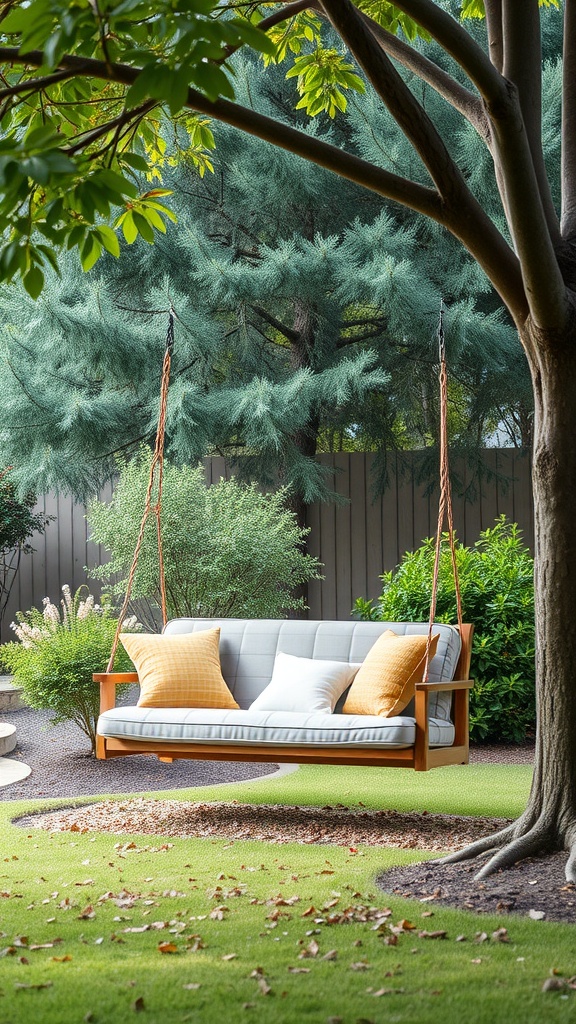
88	85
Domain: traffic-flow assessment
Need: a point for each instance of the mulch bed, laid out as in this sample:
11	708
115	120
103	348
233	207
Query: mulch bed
269	823
535	887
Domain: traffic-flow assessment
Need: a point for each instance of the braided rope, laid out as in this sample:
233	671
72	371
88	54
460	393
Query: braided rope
156	475
445	502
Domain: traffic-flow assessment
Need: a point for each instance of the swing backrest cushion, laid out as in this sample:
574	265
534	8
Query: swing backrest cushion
179	671
385	682
248	649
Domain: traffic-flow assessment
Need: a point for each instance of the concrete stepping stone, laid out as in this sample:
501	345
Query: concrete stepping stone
10	695
12	771
7	738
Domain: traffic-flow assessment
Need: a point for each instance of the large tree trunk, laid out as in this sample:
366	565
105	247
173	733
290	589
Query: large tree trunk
549	821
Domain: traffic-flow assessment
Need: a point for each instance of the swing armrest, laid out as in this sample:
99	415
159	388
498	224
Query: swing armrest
454	684
461	688
108	683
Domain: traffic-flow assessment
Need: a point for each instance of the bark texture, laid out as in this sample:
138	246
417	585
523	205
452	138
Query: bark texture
549	821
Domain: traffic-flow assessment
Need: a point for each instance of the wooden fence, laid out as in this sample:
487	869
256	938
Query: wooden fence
356	541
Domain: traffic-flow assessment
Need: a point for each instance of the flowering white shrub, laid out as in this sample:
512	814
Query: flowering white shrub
58	650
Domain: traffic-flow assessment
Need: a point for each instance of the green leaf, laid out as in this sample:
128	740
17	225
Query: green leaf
129	229
109	239
117	183
134	160
253	36
91	251
33	282
212	81
144	227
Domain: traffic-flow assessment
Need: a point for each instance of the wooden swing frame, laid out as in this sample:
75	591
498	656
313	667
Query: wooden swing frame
420	756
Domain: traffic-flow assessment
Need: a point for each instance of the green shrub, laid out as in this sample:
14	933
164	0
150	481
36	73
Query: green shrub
57	653
229	550
497	588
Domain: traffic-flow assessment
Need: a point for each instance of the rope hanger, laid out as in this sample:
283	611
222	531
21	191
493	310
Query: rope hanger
445	501
156	476
155	508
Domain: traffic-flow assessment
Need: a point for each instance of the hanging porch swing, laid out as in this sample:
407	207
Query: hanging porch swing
421	741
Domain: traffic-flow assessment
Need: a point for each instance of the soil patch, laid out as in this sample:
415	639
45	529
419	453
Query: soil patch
536	887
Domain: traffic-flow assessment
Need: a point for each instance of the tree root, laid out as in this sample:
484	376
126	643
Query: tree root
570	869
480	846
523	838
522	846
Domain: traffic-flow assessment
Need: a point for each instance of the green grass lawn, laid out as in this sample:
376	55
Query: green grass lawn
245	926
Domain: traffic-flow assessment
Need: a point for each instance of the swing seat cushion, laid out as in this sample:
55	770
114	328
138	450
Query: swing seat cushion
285	728
385	682
181	671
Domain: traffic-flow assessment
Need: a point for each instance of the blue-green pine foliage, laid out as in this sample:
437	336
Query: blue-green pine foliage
305	307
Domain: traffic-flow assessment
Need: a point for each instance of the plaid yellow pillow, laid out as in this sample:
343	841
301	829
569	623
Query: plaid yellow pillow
179	671
385	682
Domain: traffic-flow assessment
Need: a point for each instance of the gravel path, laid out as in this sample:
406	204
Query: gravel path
62	766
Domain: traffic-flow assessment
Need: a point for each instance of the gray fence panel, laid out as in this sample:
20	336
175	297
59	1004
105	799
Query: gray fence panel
357	541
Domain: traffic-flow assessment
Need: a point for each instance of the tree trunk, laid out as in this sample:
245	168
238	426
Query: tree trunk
549	821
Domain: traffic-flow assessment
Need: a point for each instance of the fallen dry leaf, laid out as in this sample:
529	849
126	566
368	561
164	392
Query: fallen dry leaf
536	915
229	956
501	935
192	985
264	987
167	947
312	949
299	970
62	959
332	954
41	984
360	965
553	985
138	1005
387	992
432	935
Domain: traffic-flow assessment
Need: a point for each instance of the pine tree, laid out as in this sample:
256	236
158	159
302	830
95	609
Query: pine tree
302	315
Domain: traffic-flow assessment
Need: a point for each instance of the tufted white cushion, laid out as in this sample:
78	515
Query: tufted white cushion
304	684
207	725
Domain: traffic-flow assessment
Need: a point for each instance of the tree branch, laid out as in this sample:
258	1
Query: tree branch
462	213
392	186
522	66
457	95
288	333
494	32
544	290
85	139
456	41
284	14
35	84
396	95
469	222
568	177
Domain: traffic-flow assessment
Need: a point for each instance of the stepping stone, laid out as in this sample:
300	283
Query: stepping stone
12	771
10	695
7	738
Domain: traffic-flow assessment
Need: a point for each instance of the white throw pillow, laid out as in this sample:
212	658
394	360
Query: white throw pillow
304	684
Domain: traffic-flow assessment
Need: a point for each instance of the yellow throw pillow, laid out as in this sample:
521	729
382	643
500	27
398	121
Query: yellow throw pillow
180	670
385	682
